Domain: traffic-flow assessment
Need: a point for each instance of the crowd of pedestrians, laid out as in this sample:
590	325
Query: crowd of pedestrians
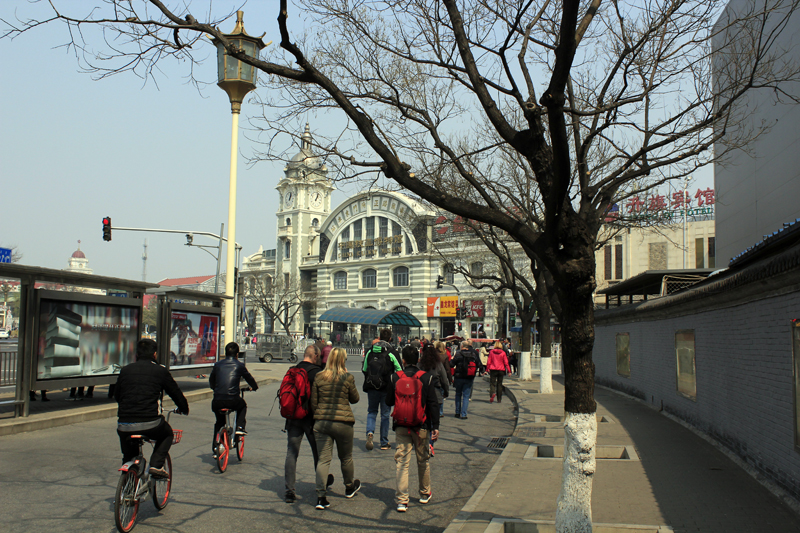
408	389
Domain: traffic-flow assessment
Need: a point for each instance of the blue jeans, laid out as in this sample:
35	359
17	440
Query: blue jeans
463	391
377	399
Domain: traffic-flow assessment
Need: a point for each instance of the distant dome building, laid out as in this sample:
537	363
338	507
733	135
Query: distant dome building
78	262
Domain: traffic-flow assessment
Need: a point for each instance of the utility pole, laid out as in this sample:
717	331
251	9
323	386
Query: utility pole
144	262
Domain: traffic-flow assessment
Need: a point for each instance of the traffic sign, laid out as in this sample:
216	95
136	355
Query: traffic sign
5	255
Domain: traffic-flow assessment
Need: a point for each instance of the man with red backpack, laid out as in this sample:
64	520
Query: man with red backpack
415	415
380	362
294	395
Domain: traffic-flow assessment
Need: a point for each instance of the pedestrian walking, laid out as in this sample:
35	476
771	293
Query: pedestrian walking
444	357
416	415
332	392
296	428
429	362
468	365
326	352
380	362
498	367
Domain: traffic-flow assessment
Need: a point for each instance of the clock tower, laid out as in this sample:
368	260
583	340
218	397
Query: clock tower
304	204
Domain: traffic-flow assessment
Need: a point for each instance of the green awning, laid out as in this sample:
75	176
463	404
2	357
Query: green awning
370	317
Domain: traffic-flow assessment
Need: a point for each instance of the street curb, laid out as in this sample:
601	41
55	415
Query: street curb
24	425
463	516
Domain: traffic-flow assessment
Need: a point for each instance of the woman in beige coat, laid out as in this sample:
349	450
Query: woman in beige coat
332	392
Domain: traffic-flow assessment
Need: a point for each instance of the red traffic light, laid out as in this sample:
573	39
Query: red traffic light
106	228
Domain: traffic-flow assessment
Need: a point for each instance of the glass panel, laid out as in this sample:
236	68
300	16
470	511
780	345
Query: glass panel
624	354
712	254
607	262
220	63
369	279
617	261
684	352
248	72
232	64
699	250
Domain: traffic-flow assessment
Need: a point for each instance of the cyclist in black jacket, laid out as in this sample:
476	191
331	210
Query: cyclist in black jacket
224	379
139	388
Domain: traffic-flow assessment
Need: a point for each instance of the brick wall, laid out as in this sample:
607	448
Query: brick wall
743	361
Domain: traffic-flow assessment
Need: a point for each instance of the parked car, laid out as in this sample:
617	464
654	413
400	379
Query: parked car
275	347
4	334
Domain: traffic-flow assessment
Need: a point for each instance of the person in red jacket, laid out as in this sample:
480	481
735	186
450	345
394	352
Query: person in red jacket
497	366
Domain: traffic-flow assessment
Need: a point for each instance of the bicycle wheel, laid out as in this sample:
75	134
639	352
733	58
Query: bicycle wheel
161	486
223	449
240	448
126	504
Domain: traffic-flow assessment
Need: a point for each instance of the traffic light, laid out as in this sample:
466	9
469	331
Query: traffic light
439	282
106	228
459	327
459	315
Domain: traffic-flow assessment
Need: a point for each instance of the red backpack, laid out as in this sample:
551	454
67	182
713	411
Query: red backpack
294	394
408	408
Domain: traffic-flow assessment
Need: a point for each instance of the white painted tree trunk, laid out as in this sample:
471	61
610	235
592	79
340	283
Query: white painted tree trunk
546	375
525	366
574	510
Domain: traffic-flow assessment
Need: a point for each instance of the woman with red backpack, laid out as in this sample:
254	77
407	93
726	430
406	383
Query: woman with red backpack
497	366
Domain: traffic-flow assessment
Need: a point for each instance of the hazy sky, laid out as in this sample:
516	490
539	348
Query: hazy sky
73	150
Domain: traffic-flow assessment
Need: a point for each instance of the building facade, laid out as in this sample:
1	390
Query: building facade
374	250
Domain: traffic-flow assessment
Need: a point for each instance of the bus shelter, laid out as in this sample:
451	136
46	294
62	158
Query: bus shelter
75	329
370	321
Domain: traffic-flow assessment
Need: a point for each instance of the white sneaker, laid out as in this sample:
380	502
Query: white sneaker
402	507
369	445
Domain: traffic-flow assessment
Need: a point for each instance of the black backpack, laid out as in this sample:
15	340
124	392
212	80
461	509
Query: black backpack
377	368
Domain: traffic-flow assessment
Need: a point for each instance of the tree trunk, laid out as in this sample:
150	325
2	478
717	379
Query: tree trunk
524	361
574	511
546	351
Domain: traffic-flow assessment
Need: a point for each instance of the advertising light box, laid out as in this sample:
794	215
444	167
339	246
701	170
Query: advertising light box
193	338
83	335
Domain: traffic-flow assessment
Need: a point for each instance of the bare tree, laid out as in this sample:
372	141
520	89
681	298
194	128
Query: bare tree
278	301
600	100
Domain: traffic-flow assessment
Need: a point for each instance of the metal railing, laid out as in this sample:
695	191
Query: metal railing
8	367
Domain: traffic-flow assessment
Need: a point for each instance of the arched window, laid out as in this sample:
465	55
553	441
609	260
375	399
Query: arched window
287	249
476	268
288	221
315	222
400	276
340	280
369	279
447	271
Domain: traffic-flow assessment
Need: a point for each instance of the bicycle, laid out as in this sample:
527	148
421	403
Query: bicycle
227	435
135	484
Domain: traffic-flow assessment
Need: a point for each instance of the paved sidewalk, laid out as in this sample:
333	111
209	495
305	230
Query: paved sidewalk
62	410
673	479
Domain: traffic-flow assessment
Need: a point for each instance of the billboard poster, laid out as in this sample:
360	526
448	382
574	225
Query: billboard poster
442	306
85	339
193	338
475	309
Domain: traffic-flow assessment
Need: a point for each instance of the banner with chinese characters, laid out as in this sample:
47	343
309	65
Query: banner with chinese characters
442	306
667	208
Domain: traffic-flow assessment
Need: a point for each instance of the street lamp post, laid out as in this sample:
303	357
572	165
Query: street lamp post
236	79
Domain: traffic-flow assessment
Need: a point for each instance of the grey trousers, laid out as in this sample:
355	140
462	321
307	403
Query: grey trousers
326	432
296	429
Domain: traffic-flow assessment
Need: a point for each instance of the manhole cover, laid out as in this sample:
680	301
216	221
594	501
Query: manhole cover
531	432
498	442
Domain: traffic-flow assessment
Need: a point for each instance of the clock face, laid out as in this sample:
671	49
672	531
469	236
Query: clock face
288	199
316	199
